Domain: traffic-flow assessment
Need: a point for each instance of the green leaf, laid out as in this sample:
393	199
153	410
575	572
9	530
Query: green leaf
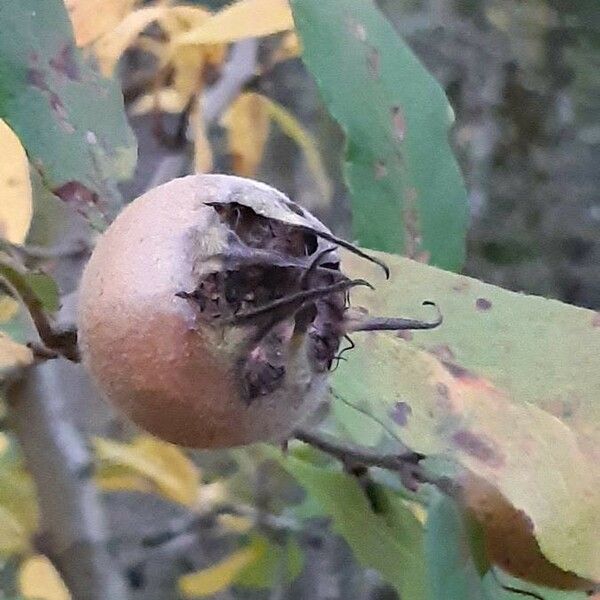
264	571
407	192
70	120
390	542
507	387
452	571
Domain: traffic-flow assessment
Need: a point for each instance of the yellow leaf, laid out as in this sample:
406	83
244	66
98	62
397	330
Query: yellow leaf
247	123
13	536
15	187
166	100
294	129
220	576
39	579
235	523
289	48
163	465
110	46
187	78
179	19
110	482
8	308
203	155
12	355
244	19
93	18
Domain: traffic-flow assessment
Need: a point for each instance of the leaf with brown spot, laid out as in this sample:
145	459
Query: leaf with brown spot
516	405
69	119
406	190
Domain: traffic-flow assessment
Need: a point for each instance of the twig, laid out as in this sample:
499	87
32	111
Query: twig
237	72
405	463
61	341
73	525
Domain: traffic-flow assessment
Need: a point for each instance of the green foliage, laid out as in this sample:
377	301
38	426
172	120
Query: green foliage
453	574
407	192
69	119
275	559
390	542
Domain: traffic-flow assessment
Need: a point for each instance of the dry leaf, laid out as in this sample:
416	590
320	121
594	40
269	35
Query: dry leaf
247	123
220	576
93	18
244	19
39	580
110	47
165	466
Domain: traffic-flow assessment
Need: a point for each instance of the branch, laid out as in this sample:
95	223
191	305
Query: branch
55	341
73	525
240	69
405	463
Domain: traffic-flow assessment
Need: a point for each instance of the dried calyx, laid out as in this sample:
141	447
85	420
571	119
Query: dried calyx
279	276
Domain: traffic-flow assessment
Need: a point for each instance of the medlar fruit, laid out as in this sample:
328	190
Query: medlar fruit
212	309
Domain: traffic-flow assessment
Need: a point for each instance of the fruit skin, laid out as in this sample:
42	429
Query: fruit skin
146	348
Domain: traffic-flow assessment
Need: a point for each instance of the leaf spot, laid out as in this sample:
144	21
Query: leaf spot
400	413
477	446
443	352
458	371
398	123
380	170
373	62
483	304
65	64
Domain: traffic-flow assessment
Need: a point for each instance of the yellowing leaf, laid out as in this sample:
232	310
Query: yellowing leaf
294	129
39	580
235	523
288	48
203	155
12	355
247	122
183	18
93	18
161	464
13	536
8	308
110	47
15	187
123	482
220	576
244	19
165	100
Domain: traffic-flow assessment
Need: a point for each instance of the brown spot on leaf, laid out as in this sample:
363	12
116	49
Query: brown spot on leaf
483	304
400	413
37	79
373	62
411	224
458	371
77	195
596	320
478	447
398	123
65	64
443	352
380	170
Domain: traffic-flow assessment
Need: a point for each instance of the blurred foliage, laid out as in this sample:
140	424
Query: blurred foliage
502	398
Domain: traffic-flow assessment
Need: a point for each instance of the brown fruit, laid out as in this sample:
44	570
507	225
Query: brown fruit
211	311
